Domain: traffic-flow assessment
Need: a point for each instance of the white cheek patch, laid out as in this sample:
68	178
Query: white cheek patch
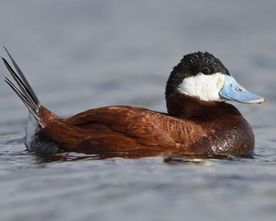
205	87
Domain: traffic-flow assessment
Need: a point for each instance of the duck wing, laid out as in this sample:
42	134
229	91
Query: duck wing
123	126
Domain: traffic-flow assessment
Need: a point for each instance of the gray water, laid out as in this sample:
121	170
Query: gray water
84	54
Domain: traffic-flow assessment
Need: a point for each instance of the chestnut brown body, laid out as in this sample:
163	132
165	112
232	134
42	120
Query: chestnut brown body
191	127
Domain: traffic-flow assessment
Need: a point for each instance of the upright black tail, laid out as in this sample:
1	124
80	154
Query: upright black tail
24	90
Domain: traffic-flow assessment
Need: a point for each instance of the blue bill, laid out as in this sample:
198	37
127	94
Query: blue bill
233	91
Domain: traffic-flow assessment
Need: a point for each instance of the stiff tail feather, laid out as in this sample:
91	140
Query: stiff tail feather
23	89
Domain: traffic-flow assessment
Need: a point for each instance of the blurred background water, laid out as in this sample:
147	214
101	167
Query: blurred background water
84	54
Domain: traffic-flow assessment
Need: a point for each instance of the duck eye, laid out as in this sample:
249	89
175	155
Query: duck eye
206	71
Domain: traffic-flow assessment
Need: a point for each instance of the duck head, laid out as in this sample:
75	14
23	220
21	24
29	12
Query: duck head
203	76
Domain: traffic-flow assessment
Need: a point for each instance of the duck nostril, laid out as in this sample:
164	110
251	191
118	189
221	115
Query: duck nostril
239	89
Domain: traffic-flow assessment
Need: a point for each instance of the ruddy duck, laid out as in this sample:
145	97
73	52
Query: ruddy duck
198	122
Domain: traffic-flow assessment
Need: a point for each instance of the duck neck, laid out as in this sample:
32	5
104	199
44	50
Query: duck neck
184	106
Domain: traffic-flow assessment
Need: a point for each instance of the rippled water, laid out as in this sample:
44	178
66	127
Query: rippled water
84	54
